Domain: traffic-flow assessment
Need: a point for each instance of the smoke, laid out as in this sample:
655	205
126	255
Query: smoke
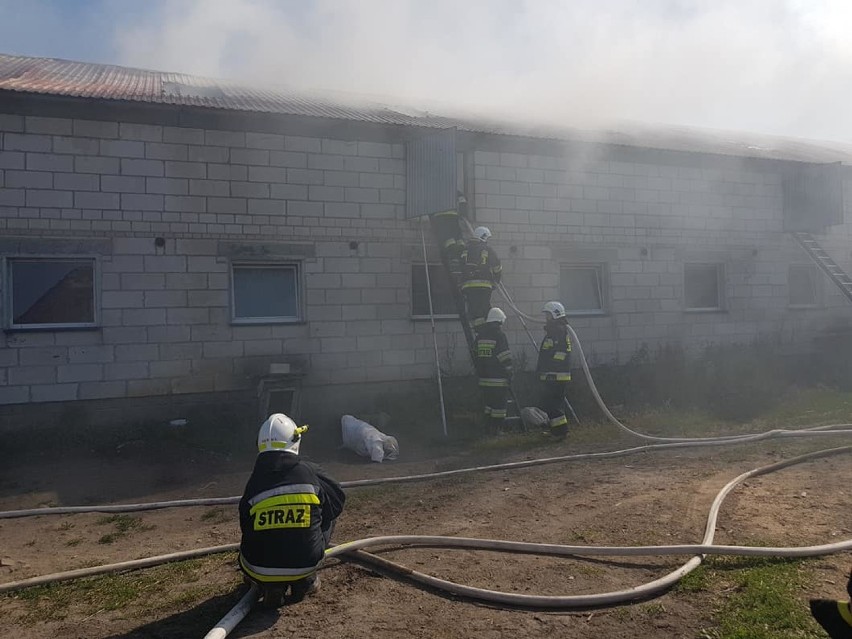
782	67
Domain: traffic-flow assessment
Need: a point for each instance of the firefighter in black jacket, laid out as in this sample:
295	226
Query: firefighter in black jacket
482	272
493	367
287	514
554	367
835	616
445	225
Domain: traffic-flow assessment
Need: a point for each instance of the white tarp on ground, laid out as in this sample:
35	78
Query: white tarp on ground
534	418
367	440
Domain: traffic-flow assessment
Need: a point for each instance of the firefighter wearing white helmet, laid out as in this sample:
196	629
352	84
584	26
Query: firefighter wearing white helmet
554	367
481	272
287	514
493	361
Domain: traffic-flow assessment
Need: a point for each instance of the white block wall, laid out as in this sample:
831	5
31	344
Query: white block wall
590	210
165	316
165	312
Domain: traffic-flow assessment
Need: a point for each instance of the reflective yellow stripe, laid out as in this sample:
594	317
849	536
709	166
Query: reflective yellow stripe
504	356
498	413
296	575
446	213
493	382
281	500
560	356
558	421
843	609
477	284
555	377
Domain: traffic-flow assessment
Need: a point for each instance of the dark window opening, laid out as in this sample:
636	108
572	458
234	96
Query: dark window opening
48	292
443	303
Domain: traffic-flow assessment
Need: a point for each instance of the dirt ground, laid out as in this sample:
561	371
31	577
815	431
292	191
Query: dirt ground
658	497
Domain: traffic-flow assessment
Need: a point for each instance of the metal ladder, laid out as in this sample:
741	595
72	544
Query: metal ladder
824	261
514	416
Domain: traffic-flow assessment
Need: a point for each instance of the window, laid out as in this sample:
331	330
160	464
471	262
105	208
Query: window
581	288
51	292
265	293
702	287
803	286
443	303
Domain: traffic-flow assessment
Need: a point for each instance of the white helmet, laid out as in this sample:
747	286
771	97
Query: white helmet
495	315
482	232
279	432
555	309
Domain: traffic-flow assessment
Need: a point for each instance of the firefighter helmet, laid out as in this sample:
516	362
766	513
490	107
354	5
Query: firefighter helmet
279	432
554	309
495	315
482	233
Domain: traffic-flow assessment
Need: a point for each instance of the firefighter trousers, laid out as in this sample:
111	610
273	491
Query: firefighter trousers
495	400
478	301
553	403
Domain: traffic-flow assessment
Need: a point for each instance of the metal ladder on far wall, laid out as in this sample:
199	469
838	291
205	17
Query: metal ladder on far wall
824	261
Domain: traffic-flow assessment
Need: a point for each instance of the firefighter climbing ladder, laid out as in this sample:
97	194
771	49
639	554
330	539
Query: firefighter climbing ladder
514	417
824	261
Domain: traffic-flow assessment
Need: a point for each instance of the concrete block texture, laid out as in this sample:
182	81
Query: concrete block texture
166	310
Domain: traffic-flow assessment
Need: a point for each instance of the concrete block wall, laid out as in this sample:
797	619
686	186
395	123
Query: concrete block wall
165	323
643	221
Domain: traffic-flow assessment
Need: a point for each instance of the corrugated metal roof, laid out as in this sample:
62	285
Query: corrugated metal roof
51	76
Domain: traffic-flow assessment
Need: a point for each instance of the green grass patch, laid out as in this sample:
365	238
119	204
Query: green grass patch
124	526
162	588
759	598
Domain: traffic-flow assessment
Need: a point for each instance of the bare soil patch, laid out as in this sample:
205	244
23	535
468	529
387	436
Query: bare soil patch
659	497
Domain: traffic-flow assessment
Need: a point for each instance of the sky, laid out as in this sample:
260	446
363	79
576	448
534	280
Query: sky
778	67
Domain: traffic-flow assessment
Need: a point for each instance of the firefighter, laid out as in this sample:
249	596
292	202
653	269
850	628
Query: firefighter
554	367
287	515
833	615
493	367
482	272
448	233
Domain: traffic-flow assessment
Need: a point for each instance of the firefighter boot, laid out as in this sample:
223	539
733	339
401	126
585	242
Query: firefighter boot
835	616
307	586
272	596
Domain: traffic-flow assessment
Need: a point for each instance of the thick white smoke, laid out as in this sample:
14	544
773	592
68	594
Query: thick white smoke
782	67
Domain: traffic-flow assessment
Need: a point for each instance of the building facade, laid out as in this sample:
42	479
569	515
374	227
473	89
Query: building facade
157	254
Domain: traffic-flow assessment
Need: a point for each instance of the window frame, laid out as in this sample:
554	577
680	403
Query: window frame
8	292
817	282
602	270
426	316
720	288
296	265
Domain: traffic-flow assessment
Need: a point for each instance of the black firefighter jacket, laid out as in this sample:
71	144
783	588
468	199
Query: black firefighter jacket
493	357
287	504
554	354
482	268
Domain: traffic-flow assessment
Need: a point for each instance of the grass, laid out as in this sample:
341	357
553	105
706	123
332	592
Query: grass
215	516
124	526
761	598
162	588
